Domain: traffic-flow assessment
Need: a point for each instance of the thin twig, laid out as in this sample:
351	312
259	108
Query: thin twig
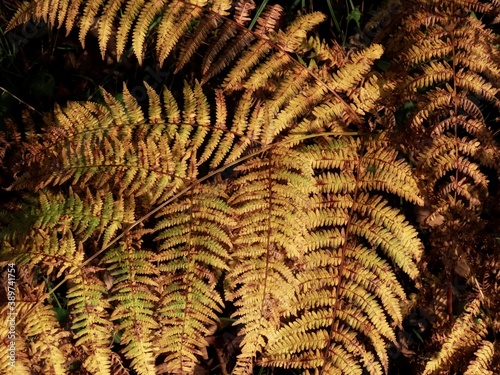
21	101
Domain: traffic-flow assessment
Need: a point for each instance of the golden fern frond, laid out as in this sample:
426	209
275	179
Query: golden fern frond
65	12
89	310
89	13
18	296
484	356
51	245
135	19
227	32
249	68
120	159
59	226
374	94
347	292
194	240
404	21
322	104
23	14
32	333
50	227
48	349
106	23
232	49
206	26
270	199
173	25
266	23
427	50
489	284
118	145
91	319
320	51
22	362
248	122
468	332
126	21
360	63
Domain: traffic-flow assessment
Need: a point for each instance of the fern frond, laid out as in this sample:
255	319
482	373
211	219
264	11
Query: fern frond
98	145
245	64
50	227
433	74
134	282
90	11
23	14
242	16
325	112
40	343
117	366
128	17
206	26
429	49
135	21
59	227
106	23
173	25
91	319
286	42
315	97
468	331
484	356
452	77
359	65
475	84
270	200
48	347
345	297
452	51
373	95
194	239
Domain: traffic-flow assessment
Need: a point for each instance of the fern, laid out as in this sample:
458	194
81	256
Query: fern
467	331
347	292
450	71
134	22
133	291
194	241
40	343
273	194
270	200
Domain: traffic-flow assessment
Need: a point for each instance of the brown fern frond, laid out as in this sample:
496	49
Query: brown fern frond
447	68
